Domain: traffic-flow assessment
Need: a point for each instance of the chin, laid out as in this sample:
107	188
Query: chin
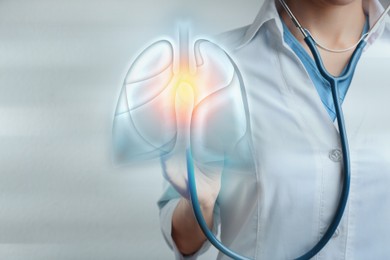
339	2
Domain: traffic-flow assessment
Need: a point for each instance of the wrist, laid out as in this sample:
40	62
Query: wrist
207	206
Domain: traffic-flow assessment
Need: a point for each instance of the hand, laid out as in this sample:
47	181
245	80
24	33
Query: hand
208	178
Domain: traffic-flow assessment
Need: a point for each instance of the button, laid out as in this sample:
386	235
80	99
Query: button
336	155
336	233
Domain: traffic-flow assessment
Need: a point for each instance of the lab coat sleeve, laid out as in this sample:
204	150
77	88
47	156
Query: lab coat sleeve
167	204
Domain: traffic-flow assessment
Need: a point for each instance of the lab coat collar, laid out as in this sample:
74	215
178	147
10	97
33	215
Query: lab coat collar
374	9
269	11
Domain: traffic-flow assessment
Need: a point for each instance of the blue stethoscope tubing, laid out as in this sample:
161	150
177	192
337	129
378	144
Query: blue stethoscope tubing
333	82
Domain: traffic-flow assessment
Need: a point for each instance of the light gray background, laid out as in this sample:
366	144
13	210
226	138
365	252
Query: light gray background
61	69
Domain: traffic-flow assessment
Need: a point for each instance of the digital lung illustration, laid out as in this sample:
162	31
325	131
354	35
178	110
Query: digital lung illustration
145	123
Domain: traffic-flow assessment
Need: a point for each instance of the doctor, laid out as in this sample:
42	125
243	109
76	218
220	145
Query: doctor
280	206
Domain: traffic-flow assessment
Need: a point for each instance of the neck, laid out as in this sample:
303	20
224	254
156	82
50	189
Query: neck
335	25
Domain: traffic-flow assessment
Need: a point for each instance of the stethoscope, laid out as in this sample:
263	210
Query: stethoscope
333	82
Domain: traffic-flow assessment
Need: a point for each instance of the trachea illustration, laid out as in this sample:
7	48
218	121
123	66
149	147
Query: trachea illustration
145	124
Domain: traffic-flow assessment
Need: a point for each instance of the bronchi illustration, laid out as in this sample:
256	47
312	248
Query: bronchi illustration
145	123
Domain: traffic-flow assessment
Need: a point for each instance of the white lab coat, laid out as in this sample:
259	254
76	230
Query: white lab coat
280	207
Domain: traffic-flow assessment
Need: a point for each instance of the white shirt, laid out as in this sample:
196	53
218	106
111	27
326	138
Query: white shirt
280	207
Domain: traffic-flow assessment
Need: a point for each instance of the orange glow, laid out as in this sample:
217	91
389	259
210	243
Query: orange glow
183	93
186	93
185	89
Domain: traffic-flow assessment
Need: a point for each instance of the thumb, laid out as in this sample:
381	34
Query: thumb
184	104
